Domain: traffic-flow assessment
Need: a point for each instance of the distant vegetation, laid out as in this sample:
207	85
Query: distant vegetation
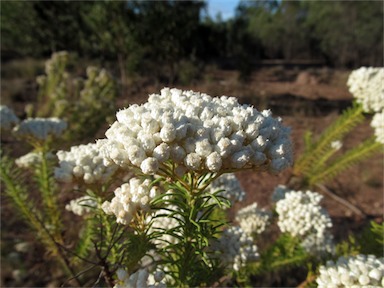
171	40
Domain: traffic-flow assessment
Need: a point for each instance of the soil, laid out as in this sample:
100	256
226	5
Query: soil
306	100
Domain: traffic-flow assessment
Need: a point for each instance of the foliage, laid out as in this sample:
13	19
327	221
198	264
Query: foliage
84	103
128	32
17	39
320	162
372	239
358	26
298	30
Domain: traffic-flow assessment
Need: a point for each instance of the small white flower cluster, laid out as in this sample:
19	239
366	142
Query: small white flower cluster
252	219
378	124
96	79
82	205
301	215
230	185
353	271
40	128
140	279
236	248
8	118
57	60
198	133
366	85
130	198
32	159
84	162
336	145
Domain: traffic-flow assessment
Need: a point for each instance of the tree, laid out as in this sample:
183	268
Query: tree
113	35
177	36
18	22
349	33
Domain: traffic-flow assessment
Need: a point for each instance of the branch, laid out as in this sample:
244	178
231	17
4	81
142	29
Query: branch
342	201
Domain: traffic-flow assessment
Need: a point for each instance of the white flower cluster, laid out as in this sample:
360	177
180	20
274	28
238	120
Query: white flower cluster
57	60
231	187
96	79
84	162
130	198
198	133
40	128
236	248
82	205
336	145
378	124
8	119
140	279
252	219
366	85
353	271
301	215
32	159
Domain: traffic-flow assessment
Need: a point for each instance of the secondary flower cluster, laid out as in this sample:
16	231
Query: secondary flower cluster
40	128
57	60
353	271
377	123
198	133
8	118
236	248
84	162
366	85
141	278
129	199
301	215
252	219
230	186
82	205
32	159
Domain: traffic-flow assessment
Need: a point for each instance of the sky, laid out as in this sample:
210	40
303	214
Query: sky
225	7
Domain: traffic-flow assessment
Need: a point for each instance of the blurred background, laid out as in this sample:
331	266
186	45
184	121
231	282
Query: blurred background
293	57
174	41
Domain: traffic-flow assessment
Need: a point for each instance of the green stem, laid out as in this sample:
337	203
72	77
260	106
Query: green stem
20	198
48	196
17	194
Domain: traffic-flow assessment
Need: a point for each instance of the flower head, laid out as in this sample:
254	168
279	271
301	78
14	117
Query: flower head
8	119
353	271
336	145
32	159
141	278
130	198
366	85
84	162
378	124
236	248
198	132
252	219
40	128
82	205
301	215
